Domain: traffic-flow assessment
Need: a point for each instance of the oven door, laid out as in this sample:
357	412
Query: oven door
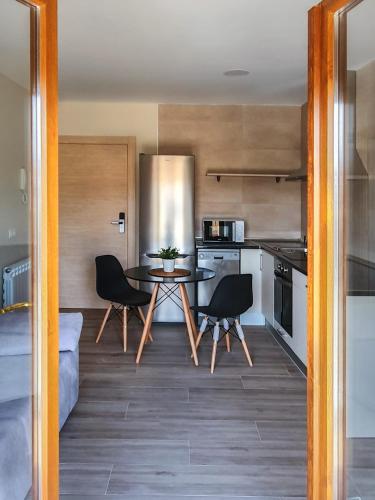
218	231
287	309
278	298
283	305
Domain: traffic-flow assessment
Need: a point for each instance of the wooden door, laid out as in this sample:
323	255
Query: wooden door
96	183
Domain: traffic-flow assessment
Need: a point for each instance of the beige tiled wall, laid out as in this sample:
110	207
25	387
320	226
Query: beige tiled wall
235	138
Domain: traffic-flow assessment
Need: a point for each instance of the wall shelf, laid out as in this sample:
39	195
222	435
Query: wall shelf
227	173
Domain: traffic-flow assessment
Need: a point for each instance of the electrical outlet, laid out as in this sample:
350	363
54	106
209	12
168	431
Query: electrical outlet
11	233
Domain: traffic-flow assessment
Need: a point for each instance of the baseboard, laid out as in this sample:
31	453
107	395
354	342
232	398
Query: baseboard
300	365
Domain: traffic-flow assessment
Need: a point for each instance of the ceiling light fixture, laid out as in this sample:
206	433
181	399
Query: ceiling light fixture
236	72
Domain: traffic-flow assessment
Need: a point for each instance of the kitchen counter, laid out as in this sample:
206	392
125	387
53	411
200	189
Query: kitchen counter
297	259
361	272
227	246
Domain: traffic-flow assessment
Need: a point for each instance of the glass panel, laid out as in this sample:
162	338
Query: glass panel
16	341
218	230
358	239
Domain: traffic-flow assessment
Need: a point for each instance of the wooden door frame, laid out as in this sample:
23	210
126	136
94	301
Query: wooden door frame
44	131
325	442
131	220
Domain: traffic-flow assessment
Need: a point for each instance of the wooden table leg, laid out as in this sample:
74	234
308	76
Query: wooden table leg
192	322
148	322
185	303
143	319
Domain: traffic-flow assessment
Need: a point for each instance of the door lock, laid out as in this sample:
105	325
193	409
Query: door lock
120	222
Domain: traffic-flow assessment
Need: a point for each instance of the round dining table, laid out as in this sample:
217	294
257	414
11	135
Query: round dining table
169	288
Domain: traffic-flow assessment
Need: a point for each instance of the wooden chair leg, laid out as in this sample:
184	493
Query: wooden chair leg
214	347
104	323
227	340
125	328
243	341
227	336
246	352
213	357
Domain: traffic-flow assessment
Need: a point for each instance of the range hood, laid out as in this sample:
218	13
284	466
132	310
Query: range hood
356	168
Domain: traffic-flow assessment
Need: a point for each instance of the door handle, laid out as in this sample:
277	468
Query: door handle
14	307
120	222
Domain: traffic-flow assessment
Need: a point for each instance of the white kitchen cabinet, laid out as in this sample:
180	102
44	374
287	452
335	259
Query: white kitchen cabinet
251	264
298	343
360	366
267	267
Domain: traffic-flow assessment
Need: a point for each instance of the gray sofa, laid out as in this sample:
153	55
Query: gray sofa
15	400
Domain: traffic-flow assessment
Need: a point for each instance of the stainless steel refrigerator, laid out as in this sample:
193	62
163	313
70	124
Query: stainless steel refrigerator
166	217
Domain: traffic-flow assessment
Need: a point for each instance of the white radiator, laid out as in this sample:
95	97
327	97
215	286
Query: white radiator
16	282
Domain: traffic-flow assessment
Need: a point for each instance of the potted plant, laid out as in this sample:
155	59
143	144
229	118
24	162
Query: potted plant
169	256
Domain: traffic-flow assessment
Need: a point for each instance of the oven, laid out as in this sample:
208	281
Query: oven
283	297
223	231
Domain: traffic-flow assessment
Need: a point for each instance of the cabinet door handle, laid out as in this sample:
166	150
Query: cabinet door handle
261	262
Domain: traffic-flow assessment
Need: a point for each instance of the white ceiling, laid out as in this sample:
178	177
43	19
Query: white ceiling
177	50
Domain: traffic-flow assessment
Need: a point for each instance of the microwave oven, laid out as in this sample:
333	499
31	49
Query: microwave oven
223	231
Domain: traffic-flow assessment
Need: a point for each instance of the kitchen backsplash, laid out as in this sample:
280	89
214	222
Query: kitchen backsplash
234	138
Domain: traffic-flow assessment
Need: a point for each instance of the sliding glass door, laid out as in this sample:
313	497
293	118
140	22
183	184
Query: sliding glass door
355	252
17	390
341	368
28	256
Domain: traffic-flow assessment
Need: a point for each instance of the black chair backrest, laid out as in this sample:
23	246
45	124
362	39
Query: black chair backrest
110	278
232	296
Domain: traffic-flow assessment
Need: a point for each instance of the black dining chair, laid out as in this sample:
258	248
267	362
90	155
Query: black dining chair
231	298
112	285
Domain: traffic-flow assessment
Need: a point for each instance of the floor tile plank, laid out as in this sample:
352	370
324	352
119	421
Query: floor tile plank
166	429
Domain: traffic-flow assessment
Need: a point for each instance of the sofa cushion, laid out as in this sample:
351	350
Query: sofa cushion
15	377
15	338
15	448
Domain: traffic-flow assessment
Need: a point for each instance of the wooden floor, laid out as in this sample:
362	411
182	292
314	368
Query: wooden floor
168	430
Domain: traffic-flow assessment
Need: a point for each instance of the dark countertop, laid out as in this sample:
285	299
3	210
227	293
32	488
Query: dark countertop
227	246
361	273
297	260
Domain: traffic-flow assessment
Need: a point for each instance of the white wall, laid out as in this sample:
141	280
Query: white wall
14	154
111	118
14	118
